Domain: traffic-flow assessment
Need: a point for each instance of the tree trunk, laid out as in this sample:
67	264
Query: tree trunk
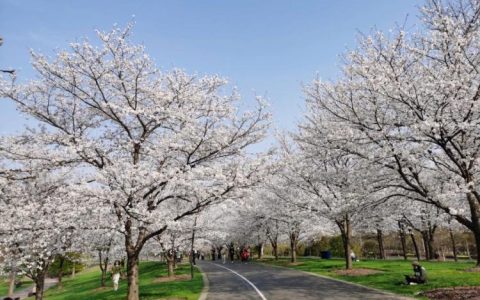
293	247
403	240
273	242
346	233
428	255
11	283
60	270
170	256
103	263
192	255
39	285
132	276
474	203
103	278
381	248
171	269
275	250
431	246
415	246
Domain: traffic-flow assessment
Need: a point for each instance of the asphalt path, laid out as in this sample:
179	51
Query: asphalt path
245	281
23	293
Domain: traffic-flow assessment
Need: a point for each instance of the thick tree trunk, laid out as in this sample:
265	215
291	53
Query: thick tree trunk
273	242
170	256
415	246
11	281
403	240
103	263
39	285
132	276
293	247
425	246
346	233
171	268
381	248
275	250
431	246
60	270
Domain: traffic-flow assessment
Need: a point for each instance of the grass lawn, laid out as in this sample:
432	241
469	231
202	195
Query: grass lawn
86	285
440	274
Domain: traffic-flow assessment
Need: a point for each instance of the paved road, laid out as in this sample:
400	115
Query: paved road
23	293
254	281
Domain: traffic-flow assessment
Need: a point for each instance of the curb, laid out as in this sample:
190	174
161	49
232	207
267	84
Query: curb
400	297
204	294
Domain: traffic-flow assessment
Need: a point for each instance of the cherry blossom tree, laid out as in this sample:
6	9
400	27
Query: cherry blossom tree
330	184
154	139
40	222
407	104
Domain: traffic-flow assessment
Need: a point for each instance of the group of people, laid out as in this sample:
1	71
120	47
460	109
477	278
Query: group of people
230	252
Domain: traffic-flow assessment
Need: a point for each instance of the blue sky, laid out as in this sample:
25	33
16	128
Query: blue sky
264	47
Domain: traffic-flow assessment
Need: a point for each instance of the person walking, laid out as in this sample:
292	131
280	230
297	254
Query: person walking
244	254
231	251
116	270
194	257
224	251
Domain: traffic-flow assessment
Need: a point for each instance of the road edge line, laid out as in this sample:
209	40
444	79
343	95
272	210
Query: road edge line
400	296
244	278
206	285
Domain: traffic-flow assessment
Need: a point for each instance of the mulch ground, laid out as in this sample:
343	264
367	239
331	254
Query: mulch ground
456	293
357	272
295	264
173	278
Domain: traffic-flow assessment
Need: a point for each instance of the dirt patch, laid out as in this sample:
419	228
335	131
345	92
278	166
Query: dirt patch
173	278
476	269
357	272
456	293
103	288
295	264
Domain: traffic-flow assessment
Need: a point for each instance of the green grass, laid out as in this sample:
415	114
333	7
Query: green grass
86	285
440	274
